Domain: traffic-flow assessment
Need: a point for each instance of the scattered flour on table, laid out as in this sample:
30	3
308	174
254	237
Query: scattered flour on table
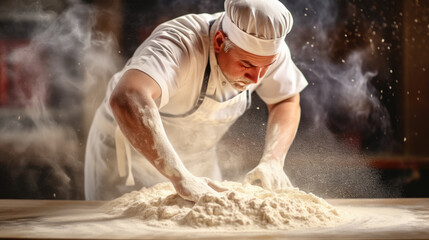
242	207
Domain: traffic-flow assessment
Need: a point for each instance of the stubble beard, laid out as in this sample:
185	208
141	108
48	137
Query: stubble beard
239	84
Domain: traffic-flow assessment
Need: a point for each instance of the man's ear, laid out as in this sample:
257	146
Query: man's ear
219	41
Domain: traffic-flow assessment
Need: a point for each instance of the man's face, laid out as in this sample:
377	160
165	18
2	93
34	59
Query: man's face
241	68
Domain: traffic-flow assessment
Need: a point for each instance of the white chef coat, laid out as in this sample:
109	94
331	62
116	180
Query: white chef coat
175	56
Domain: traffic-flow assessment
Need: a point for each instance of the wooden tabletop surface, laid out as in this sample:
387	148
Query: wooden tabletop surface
59	219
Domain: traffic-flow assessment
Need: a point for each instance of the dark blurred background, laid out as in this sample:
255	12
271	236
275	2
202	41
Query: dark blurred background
364	131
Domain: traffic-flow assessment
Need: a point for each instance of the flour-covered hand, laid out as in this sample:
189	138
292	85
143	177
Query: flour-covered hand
269	176
192	188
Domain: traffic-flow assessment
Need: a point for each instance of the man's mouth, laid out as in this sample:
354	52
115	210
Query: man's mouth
243	83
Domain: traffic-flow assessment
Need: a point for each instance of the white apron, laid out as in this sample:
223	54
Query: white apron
113	167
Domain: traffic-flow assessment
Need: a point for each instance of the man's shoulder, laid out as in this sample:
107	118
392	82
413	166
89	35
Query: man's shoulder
202	18
188	34
190	23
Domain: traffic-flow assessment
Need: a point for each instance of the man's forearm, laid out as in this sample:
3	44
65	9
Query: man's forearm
283	121
138	118
133	105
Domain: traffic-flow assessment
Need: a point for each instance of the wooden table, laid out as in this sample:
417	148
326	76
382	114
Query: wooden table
48	219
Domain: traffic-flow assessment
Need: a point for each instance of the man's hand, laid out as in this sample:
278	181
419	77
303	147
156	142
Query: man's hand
192	188
269	176
283	120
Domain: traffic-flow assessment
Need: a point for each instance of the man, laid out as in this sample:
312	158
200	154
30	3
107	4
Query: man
184	87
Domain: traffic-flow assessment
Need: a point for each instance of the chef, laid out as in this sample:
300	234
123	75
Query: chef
185	85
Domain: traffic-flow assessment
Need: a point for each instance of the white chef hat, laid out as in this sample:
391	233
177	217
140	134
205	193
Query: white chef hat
257	26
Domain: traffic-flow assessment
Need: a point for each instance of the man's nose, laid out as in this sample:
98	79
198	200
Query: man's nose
253	74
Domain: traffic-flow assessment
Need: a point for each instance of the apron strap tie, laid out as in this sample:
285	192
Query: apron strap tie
123	153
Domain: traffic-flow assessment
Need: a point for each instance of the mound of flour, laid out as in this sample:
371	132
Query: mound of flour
241	207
